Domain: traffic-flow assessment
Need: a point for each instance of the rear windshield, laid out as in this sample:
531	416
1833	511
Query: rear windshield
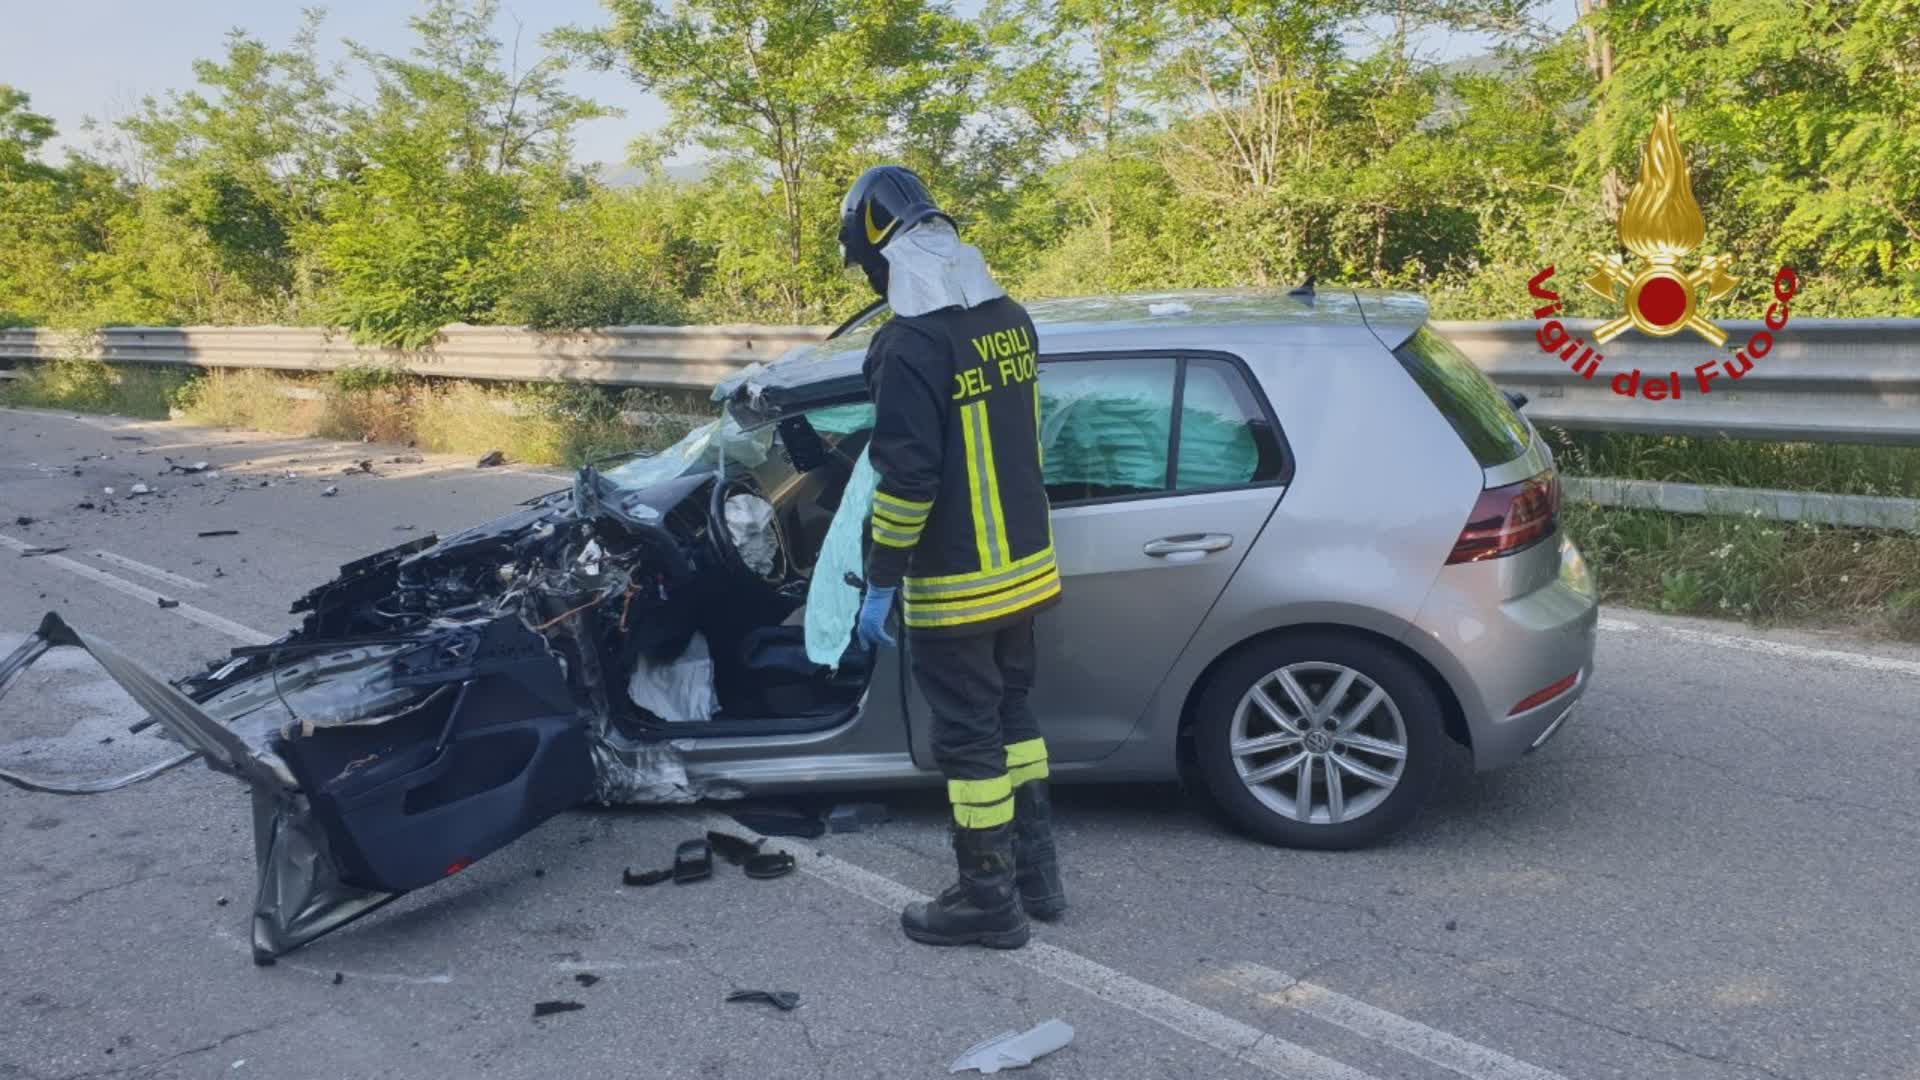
1476	408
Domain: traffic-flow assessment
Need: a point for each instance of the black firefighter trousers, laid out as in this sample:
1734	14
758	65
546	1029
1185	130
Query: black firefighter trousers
985	738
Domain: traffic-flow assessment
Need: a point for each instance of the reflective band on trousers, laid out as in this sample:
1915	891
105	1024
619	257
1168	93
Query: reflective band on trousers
981	804
962	586
1026	760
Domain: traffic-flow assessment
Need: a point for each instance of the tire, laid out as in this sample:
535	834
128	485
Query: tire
1255	798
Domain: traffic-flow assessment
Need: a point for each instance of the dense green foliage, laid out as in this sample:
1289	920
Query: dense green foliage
1086	145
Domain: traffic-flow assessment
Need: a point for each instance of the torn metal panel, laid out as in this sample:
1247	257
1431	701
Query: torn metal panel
299	895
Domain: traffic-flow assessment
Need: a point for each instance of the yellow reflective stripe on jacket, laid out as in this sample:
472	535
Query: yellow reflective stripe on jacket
894	537
972	576
983	487
982	582
900	509
928	616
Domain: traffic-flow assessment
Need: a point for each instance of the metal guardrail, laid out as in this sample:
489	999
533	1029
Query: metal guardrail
668	357
1825	380
1856	511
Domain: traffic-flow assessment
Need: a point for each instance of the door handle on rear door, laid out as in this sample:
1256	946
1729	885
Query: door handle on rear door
1187	546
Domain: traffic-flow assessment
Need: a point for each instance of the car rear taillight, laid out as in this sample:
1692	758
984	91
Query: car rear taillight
1508	519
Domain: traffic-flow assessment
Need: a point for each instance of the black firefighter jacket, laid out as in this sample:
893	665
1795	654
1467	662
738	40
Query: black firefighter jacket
960	518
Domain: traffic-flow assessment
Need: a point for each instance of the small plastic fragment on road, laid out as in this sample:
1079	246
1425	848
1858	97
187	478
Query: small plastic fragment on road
492	458
139	489
775	819
108	491
771	864
1452	924
196	467
852	817
548	1008
330	490
219	532
28	553
167	602
339	977
222	902
585	978
1015	1050
784	1000
649	877
365	465
23	521
692	861
732	848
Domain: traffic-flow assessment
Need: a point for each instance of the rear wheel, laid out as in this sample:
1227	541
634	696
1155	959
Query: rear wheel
1319	742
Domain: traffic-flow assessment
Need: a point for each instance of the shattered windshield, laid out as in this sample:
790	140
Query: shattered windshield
699	451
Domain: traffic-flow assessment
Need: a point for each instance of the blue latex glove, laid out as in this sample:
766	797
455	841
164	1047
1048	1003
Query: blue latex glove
872	625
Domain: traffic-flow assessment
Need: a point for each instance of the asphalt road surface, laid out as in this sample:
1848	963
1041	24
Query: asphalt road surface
1711	875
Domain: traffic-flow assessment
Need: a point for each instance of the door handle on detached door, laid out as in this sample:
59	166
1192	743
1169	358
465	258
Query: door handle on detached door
1187	546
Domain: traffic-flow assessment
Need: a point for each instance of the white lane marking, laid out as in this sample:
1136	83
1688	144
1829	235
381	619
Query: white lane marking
186	611
153	572
1763	647
1243	1042
1428	1044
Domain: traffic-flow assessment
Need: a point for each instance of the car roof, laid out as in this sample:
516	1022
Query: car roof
814	374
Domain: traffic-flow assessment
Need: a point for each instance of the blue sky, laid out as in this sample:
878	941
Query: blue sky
98	58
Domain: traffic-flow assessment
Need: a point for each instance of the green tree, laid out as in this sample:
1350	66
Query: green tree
457	148
795	97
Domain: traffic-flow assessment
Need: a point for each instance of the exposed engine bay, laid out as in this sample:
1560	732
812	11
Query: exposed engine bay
440	698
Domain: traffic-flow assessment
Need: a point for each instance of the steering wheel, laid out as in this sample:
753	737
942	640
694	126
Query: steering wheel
768	568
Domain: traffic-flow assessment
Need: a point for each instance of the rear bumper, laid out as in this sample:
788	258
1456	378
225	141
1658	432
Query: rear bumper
1502	652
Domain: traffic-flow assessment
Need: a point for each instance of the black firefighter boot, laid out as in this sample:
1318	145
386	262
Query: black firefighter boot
979	909
1036	865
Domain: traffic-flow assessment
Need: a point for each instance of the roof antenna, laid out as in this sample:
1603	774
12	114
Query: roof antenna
1305	288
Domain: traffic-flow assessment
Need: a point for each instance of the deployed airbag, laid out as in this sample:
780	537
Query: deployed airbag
680	690
832	604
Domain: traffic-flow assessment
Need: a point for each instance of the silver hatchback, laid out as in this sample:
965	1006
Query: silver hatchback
1305	543
1306	546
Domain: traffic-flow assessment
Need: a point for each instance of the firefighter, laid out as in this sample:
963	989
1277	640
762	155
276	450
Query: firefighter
961	533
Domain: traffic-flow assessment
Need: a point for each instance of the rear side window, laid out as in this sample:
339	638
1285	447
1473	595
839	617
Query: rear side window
1116	427
1478	411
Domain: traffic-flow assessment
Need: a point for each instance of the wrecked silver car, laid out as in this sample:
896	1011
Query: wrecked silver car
1305	544
443	697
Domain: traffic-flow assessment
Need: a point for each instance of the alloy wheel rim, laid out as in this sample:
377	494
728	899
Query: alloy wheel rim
1318	742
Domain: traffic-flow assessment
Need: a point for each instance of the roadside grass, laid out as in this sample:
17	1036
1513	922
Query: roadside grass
1751	569
535	424
1832	468
93	386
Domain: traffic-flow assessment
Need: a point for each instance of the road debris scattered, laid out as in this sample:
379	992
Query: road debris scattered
363	466
784	1000
548	1008
585	978
692	861
330	490
649	877
490	459
853	817
196	467
781	819
768	865
23	521
139	489
167	602
29	553
339	977
1015	1050
219	532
